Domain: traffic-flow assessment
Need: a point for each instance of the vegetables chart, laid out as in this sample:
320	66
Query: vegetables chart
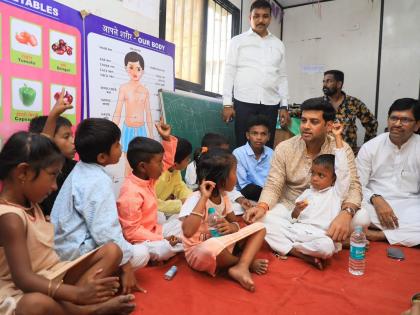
40	53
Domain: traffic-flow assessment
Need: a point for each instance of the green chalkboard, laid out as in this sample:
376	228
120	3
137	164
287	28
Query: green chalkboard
191	117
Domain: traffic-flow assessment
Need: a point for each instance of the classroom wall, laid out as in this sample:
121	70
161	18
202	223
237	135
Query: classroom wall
400	60
114	10
344	35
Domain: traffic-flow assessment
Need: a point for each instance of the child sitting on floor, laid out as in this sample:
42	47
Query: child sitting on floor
171	191
58	128
85	212
33	280
304	236
254	158
137	203
217	174
210	141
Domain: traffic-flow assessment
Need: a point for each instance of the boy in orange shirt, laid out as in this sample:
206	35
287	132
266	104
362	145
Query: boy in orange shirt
138	204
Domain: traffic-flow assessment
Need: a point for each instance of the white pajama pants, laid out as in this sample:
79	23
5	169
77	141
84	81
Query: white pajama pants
162	250
408	214
283	235
140	257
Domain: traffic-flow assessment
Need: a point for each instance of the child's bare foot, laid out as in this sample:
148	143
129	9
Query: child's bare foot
121	305
314	261
317	262
259	266
243	276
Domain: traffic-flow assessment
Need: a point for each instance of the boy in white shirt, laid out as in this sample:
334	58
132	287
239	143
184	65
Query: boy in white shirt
304	236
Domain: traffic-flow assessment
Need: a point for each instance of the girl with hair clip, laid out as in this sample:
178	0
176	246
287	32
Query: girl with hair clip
212	141
33	281
236	248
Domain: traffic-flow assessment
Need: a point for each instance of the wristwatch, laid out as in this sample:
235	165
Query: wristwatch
228	106
349	210
373	196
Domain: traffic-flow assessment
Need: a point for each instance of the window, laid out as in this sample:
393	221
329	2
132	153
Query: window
201	31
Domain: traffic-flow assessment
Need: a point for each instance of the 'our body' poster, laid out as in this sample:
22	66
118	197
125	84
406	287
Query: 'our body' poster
125	69
40	53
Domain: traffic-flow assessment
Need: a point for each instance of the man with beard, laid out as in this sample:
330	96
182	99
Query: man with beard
389	170
348	108
255	80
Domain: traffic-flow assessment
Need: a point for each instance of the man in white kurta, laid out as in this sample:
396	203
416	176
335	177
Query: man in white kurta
389	170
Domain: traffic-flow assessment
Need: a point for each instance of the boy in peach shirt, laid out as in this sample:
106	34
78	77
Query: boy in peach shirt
138	204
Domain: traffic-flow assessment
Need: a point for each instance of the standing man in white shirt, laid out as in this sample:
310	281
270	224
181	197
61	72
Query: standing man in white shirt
389	170
255	72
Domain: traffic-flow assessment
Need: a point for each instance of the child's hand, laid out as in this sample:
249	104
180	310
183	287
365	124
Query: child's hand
224	227
163	129
337	128
128	280
245	203
97	290
61	105
173	240
206	188
299	207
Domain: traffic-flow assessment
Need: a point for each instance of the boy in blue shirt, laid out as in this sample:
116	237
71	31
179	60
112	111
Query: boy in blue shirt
254	158
85	212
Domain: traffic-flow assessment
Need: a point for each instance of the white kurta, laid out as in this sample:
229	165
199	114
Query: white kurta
394	174
307	232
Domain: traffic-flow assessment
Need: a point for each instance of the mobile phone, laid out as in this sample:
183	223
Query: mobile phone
395	253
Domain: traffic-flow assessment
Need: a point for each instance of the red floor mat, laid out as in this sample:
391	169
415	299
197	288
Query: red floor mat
290	287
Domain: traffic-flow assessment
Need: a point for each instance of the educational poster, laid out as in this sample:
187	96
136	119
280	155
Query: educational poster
125	70
40	53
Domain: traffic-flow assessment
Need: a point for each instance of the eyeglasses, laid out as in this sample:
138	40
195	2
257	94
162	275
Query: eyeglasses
404	120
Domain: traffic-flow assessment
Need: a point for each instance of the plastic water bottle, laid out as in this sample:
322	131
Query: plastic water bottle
213	220
357	252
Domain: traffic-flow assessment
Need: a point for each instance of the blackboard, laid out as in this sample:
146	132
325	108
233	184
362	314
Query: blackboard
192	116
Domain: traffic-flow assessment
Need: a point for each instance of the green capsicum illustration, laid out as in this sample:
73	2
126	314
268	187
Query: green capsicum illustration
27	95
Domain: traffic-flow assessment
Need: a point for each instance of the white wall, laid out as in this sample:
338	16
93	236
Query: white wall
344	35
400	61
115	11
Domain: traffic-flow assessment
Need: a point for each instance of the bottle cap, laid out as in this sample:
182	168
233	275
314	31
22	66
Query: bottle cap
212	210
358	229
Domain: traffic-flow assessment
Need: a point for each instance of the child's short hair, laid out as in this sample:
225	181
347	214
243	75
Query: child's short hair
183	149
326	160
32	148
95	136
215	165
133	56
37	124
258	120
142	149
